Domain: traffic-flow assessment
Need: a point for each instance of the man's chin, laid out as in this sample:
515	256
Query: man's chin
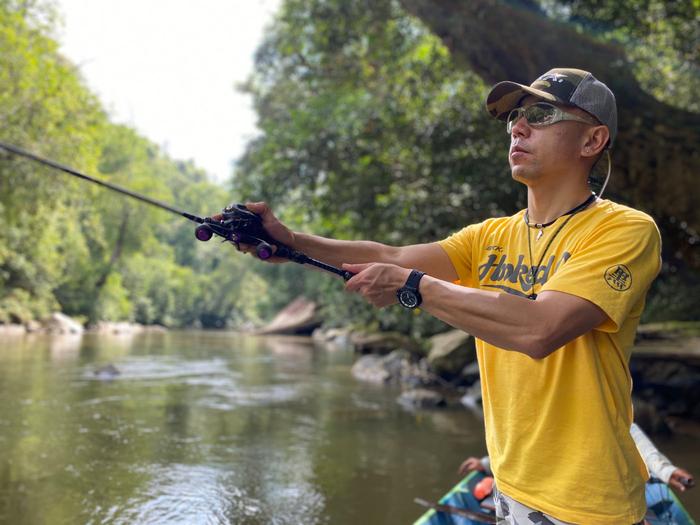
519	174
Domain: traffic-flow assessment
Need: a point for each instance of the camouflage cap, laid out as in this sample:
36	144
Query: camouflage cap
573	87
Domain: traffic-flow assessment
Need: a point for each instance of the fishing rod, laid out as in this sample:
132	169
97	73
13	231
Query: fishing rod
236	223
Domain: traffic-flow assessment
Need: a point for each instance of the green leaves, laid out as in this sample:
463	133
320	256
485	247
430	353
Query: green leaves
66	244
369	131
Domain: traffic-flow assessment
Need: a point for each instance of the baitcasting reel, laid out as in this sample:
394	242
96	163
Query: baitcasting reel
239	225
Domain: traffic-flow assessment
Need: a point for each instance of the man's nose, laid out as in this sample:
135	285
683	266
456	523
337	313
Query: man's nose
520	128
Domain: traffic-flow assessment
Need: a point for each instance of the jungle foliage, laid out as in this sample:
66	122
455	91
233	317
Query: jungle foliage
71	246
372	128
369	129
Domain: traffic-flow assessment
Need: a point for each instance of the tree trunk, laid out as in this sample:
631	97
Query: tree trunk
116	251
655	157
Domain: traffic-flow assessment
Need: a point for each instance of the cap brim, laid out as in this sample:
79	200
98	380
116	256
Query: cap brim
506	96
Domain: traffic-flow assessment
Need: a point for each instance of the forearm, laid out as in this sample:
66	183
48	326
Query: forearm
500	319
533	327
659	465
337	252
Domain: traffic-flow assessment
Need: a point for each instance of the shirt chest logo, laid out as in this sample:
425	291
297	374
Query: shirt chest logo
498	272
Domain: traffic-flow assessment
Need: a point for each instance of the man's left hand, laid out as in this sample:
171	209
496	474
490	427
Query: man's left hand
376	282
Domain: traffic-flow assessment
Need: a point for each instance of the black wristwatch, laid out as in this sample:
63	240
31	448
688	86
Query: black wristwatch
408	294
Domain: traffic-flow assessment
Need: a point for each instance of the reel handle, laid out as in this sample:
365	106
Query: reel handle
238	224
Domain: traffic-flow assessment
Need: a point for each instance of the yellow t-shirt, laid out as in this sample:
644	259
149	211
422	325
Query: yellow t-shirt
558	428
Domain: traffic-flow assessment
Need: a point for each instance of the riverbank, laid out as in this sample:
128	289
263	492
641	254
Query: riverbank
442	371
60	324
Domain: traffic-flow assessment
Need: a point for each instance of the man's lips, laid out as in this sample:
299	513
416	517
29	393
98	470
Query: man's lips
517	150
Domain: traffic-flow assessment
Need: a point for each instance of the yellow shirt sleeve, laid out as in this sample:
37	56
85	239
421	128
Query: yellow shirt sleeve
460	249
613	268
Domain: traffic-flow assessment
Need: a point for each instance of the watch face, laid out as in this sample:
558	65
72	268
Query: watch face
408	298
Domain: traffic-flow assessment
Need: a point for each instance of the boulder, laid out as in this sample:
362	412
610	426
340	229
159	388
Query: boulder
450	352
32	326
399	366
422	398
12	329
115	328
331	338
472	397
106	373
382	343
382	369
370	368
300	317
58	323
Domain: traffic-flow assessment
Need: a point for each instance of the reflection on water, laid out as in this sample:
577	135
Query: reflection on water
212	428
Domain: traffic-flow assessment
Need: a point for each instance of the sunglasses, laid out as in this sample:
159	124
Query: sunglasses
541	114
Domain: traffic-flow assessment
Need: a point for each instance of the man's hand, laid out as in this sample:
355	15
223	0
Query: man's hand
470	464
272	225
376	282
681	480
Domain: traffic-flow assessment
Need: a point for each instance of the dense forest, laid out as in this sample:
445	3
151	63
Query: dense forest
372	125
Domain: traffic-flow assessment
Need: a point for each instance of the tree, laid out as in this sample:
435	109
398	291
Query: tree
655	159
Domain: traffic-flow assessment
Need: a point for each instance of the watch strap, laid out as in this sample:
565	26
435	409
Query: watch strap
414	279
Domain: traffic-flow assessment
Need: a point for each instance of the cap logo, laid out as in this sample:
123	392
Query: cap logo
554	77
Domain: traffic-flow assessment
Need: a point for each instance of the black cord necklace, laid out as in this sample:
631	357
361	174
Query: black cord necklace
541	225
573	211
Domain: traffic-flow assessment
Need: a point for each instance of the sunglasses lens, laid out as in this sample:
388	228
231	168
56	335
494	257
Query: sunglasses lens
513	116
540	114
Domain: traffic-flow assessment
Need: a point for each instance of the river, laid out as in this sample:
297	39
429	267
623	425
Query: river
219	428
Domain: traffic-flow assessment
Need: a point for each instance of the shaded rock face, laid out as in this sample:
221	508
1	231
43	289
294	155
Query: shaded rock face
451	352
422	398
648	417
382	343
666	392
59	323
300	317
332	338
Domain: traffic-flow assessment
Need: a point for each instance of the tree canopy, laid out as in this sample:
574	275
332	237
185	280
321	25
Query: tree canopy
68	245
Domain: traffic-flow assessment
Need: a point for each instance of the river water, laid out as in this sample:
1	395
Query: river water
218	428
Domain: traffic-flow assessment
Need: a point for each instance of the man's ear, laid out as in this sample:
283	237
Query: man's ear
595	140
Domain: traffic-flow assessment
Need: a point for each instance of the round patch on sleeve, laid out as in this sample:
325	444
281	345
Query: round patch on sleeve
618	277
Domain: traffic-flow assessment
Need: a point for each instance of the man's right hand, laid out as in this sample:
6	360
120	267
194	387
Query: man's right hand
272	224
273	227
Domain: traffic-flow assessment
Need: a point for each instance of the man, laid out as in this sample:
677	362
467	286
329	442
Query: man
553	295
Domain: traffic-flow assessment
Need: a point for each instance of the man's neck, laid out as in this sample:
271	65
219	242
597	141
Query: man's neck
547	206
